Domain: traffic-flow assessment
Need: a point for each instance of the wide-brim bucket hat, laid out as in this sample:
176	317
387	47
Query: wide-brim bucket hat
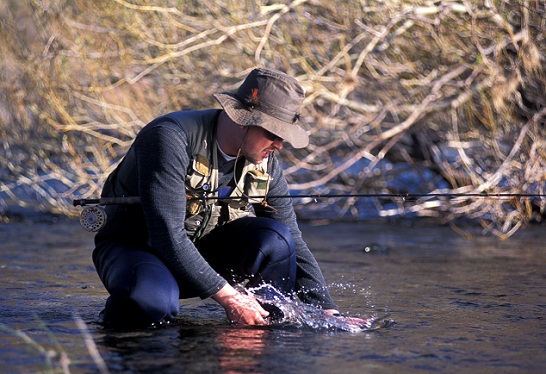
270	99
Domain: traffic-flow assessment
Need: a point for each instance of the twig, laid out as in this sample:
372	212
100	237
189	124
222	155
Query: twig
91	346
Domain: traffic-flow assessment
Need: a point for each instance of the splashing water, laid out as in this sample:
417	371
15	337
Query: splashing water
289	312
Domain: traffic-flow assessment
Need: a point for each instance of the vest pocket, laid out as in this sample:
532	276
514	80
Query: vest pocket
256	185
200	172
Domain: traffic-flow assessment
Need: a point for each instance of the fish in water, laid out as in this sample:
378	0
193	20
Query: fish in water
284	310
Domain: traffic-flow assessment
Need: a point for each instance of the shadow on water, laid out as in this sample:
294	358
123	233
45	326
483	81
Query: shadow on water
459	305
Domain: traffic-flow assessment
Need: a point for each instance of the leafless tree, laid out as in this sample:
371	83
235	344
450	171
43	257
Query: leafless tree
450	94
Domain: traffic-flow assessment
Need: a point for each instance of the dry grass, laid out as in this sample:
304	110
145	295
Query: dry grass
56	359
454	87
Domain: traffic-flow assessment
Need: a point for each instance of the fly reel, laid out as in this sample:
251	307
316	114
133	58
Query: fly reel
93	218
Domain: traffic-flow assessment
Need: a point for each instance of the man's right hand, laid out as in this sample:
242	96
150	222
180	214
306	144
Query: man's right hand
240	308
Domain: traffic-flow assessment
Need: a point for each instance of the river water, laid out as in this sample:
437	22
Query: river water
457	305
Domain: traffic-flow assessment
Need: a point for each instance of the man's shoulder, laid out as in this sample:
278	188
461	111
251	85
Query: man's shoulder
188	123
186	118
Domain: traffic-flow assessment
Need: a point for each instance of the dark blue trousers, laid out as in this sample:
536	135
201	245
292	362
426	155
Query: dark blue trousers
143	291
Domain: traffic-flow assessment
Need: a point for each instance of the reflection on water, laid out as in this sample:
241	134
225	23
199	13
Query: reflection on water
459	305
240	349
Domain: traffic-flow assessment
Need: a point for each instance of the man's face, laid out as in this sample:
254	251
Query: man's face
259	144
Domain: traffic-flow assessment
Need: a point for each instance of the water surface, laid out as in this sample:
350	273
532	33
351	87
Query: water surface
473	305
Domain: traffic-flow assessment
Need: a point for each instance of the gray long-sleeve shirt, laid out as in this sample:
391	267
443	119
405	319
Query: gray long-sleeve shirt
155	169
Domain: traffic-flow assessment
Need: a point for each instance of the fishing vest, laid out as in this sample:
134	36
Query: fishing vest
204	209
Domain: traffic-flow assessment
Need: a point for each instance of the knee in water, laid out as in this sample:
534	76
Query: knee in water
131	312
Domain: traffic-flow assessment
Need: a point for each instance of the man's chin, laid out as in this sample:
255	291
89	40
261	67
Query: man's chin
256	160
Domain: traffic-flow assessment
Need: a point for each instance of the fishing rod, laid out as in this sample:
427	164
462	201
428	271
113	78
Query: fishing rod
131	200
93	215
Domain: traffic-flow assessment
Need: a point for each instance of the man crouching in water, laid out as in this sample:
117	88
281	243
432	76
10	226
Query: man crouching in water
198	229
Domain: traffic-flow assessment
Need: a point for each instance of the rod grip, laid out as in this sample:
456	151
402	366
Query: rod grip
126	200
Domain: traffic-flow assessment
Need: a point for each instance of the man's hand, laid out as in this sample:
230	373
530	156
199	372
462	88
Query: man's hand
240	308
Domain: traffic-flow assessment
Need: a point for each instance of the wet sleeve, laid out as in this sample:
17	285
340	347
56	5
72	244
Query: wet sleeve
162	157
310	284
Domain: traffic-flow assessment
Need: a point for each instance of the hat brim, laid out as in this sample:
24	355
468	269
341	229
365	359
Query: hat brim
292	133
